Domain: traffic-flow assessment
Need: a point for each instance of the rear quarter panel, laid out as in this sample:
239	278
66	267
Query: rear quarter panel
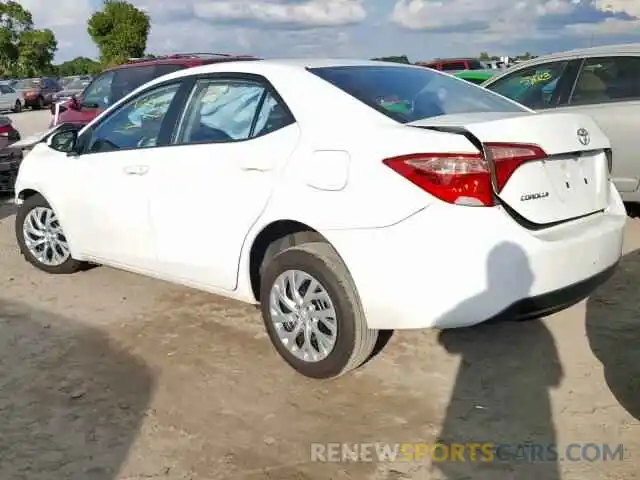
620	122
371	195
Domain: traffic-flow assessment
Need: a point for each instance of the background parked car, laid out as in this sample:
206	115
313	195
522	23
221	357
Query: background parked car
10	99
75	87
113	84
453	64
476	76
602	82
8	133
37	93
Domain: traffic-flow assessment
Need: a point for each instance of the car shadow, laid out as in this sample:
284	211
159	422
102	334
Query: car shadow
7	207
501	394
613	330
71	402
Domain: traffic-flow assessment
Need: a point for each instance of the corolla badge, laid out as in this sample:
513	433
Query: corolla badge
583	136
534	196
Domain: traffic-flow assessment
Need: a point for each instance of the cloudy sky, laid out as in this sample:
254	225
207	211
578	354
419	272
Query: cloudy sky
421	29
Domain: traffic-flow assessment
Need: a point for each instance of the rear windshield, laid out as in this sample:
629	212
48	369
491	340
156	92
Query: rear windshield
407	94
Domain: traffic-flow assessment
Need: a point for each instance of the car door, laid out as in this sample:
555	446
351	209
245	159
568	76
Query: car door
109	211
211	186
608	90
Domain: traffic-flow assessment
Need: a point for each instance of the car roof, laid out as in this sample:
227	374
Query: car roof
189	59
605	50
259	66
448	60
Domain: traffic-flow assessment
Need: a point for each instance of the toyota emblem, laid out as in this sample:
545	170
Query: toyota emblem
583	136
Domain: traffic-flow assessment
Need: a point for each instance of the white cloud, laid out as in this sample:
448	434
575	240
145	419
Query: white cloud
429	14
305	13
310	13
630	7
63	13
503	21
609	26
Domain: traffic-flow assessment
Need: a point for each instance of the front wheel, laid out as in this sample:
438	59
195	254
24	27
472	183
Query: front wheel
41	239
312	312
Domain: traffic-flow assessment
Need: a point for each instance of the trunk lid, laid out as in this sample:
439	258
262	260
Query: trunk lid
573	181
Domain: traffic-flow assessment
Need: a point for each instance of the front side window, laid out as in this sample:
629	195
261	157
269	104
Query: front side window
534	87
98	93
220	111
136	124
408	94
607	79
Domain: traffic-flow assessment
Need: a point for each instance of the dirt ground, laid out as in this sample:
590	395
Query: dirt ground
106	375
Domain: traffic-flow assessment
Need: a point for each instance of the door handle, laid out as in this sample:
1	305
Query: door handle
136	169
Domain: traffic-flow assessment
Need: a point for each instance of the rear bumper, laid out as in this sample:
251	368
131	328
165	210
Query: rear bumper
450	266
32	102
9	166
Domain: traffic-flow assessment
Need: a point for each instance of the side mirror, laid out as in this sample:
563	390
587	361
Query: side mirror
74	103
64	141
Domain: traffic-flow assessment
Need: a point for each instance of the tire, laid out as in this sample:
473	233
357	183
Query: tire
68	266
354	341
17	108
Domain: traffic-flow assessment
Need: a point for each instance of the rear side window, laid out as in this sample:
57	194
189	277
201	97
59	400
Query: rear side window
126	80
407	94
165	68
534	87
607	79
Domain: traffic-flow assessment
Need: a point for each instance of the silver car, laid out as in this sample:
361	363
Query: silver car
602	82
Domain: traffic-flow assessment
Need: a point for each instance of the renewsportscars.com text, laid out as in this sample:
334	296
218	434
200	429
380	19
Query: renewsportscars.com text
465	452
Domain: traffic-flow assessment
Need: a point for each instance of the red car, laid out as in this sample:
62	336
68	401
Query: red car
113	84
8	133
453	64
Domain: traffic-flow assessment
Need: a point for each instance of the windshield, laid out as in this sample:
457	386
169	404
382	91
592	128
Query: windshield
408	94
76	85
28	83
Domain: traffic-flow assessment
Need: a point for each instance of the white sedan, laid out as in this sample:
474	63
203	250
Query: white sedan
344	197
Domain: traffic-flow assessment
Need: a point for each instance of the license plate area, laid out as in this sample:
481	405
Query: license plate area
579	178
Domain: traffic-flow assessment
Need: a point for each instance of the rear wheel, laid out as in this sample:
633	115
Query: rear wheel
312	312
17	108
41	239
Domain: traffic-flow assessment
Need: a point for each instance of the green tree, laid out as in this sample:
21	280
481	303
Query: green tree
14	20
36	49
119	31
78	66
484	56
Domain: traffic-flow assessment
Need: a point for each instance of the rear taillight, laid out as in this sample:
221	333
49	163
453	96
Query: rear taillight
463	178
